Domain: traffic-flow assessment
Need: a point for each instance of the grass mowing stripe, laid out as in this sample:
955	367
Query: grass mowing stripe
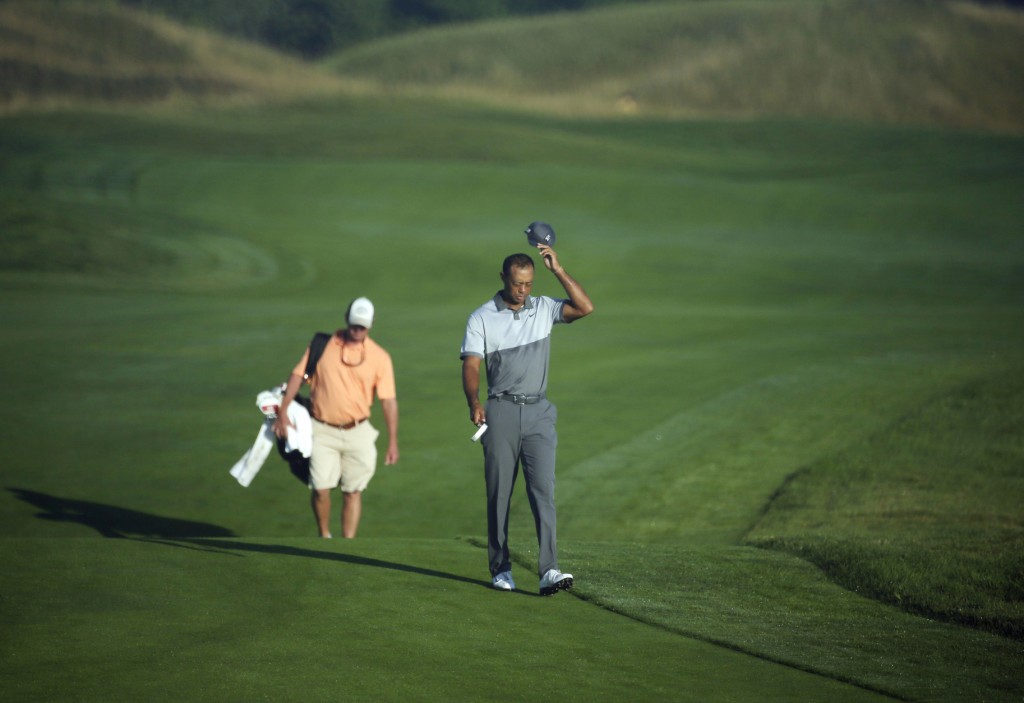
718	462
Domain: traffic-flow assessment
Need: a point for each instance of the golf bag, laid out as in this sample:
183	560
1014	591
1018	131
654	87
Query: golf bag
270	401
298	464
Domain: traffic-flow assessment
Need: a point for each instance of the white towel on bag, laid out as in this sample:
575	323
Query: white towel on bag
299	438
246	468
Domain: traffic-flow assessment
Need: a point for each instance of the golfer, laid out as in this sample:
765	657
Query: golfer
352	369
512	334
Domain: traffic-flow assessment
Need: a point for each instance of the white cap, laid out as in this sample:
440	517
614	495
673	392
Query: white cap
360	312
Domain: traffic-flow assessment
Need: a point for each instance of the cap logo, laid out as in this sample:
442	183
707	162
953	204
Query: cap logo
540	233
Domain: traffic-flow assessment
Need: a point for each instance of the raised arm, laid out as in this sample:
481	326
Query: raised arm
579	304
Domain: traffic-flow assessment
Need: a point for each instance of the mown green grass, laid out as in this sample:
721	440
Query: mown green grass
770	297
788	611
251	619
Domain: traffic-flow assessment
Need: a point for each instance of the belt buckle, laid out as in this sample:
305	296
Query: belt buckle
520	399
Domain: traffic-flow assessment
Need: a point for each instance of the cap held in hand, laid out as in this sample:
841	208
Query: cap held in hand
540	233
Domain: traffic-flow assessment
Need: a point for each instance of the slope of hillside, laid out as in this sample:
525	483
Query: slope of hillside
952	64
946	64
60	54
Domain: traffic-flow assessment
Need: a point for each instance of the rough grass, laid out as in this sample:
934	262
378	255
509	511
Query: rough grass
950	64
786	610
926	514
939	63
61	54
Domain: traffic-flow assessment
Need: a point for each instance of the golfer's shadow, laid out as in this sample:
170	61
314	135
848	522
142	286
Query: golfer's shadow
111	521
123	523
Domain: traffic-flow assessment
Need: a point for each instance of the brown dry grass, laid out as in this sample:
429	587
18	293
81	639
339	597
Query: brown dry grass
62	55
949	64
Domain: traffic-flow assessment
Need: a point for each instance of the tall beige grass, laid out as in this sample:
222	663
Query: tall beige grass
60	54
942	63
917	62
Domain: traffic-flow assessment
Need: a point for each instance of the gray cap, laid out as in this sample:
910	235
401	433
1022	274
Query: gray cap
540	233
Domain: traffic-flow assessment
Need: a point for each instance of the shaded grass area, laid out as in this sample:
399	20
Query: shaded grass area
926	514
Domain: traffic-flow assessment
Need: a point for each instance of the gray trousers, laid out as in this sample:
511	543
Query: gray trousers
520	435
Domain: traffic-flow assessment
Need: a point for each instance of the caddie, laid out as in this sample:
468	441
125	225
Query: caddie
352	369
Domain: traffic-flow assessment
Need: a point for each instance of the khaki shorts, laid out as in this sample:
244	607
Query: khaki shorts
345	458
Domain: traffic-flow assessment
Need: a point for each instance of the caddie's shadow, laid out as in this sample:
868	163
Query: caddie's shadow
111	521
123	523
285	550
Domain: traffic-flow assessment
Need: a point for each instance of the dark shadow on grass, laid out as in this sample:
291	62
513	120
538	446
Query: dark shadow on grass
111	521
288	551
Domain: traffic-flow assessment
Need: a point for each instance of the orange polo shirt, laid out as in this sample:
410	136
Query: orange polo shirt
342	388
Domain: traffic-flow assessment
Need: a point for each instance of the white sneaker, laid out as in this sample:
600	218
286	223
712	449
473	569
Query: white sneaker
504	582
554	581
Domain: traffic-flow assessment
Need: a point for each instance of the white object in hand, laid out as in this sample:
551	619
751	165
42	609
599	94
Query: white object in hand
480	432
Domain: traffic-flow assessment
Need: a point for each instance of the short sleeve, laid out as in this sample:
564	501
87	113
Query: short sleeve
473	344
386	379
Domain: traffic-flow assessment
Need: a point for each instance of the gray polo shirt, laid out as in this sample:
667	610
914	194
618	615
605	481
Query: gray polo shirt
515	345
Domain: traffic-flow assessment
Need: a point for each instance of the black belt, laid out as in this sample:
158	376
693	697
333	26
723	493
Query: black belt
346	426
520	399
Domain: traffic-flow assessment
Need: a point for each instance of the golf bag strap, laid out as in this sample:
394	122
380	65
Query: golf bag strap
316	350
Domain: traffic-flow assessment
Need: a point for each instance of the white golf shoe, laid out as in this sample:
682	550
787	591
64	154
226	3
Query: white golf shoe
554	581
503	581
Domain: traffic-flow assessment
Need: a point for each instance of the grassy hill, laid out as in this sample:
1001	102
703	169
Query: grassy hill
939	63
314	28
61	54
948	64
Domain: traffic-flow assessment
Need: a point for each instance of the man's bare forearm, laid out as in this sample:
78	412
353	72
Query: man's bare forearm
390	408
471	381
578	297
290	391
471	387
282	422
